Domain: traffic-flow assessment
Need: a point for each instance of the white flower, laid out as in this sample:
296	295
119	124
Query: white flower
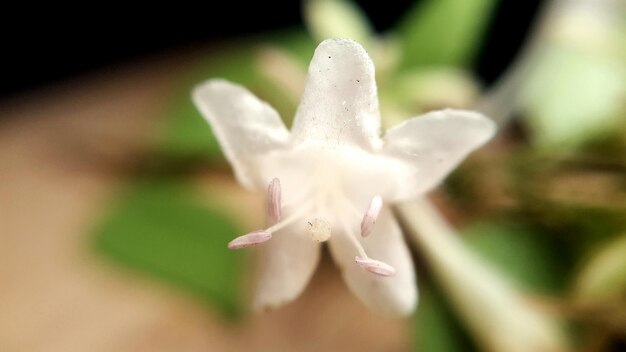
329	177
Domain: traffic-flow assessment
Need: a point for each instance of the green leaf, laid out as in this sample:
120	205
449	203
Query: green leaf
572	96
524	254
159	228
423	89
444	32
436	328
337	19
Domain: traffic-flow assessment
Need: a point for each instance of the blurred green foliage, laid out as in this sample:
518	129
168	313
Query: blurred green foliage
160	228
603	274
444	32
436	329
573	96
524	254
337	19
578	198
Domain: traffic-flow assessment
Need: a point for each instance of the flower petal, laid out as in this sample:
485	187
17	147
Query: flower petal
432	145
286	264
392	295
244	125
340	102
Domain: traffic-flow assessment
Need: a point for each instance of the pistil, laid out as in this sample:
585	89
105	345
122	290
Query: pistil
319	230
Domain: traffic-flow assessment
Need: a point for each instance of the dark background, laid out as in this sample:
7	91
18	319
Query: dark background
46	44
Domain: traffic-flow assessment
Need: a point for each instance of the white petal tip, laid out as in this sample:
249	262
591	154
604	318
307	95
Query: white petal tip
340	42
482	124
250	240
375	266
202	90
371	215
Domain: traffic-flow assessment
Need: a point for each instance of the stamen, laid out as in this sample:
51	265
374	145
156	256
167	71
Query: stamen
249	240
274	201
375	266
371	215
353	238
257	237
291	218
319	230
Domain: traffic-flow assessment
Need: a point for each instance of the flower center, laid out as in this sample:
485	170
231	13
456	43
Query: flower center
329	201
319	229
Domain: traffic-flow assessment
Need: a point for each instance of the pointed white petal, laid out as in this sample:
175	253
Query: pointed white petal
340	102
432	145
392	295
244	125
286	264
